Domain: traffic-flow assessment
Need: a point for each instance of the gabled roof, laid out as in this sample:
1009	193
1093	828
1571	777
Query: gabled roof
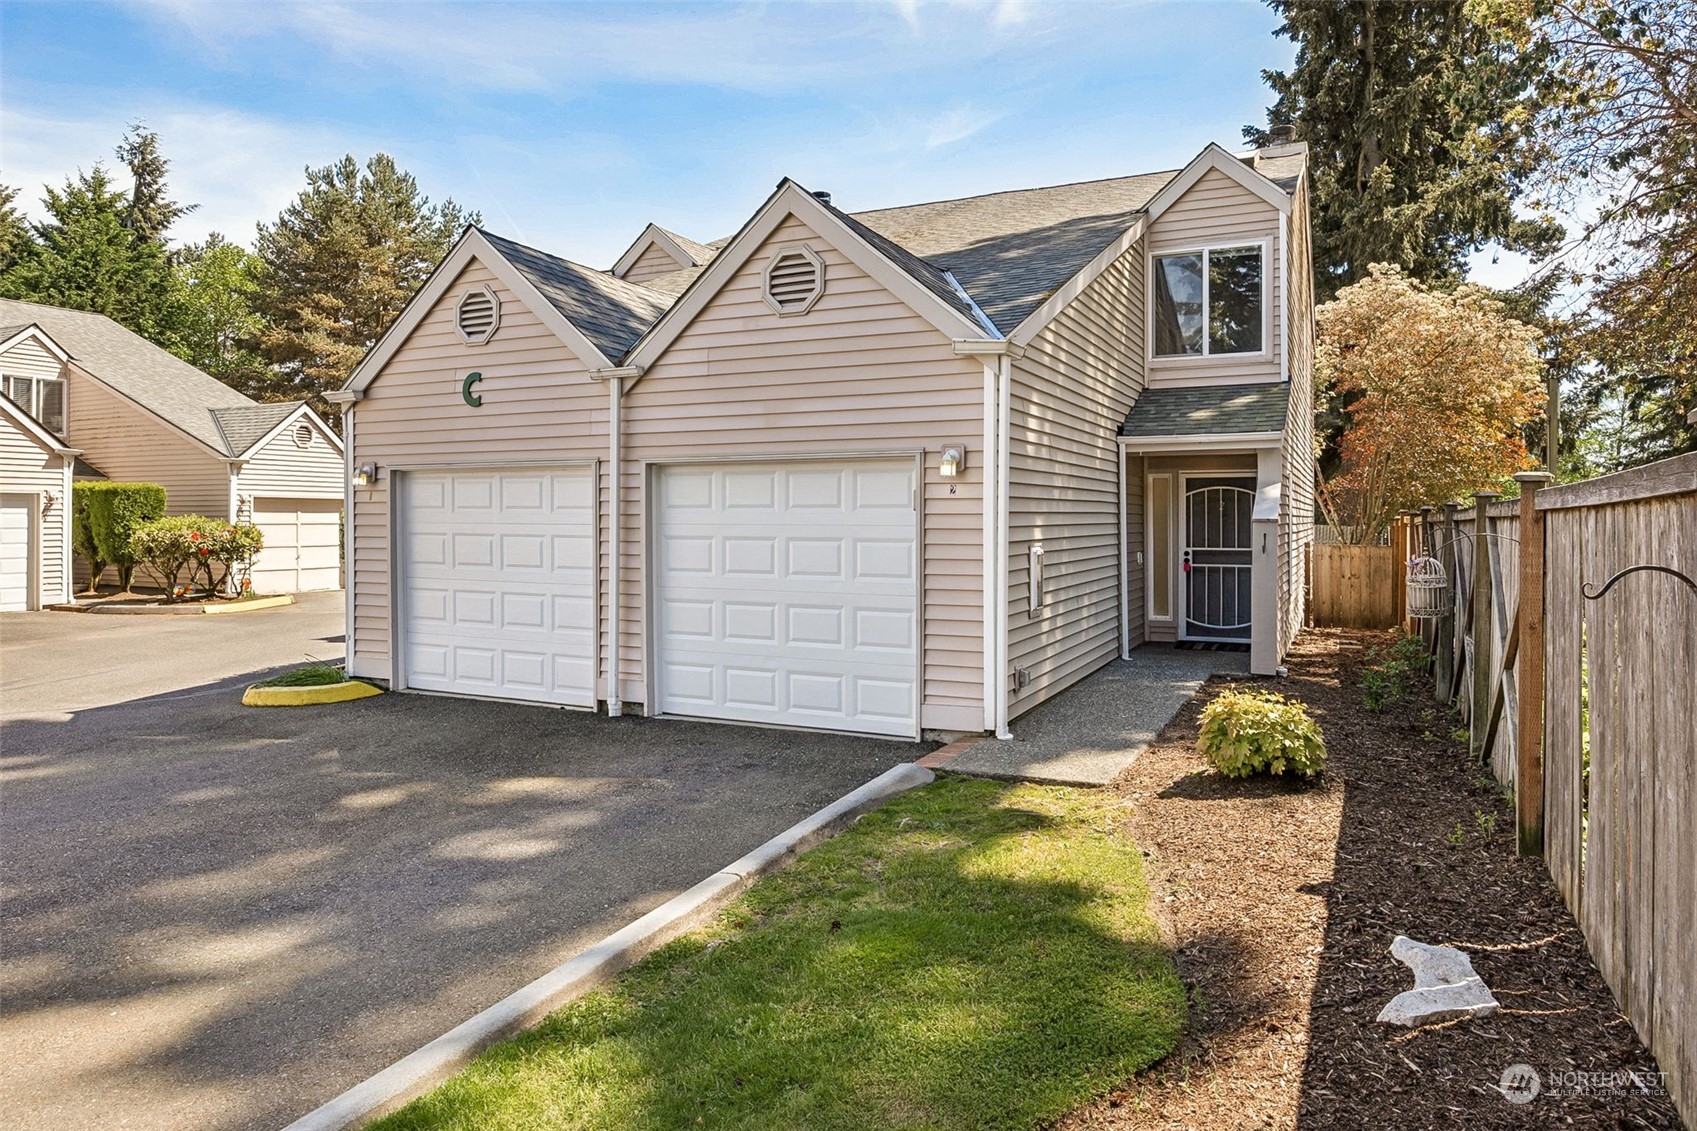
244	427
610	311
160	382
1011	250
681	250
1209	410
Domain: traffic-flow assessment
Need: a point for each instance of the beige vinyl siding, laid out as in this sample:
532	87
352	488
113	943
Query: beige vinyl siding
282	468
27	468
1296	501
30	358
860	373
540	406
651	264
1219	212
1071	391
131	445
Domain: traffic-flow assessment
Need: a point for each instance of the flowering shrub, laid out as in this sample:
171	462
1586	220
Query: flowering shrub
1250	732
187	548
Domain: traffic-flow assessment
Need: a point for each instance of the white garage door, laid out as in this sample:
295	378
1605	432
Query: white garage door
498	579
17	551
302	545
787	593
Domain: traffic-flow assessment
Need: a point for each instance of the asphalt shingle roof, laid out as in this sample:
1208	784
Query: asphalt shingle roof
1204	410
612	312
159	381
243	427
702	254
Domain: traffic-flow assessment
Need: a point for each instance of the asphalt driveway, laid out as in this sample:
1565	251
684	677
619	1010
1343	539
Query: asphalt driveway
219	917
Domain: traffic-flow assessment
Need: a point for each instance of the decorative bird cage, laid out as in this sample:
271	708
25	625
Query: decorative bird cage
1428	588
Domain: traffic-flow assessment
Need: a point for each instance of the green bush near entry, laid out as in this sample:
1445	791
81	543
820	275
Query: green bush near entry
104	517
1258	732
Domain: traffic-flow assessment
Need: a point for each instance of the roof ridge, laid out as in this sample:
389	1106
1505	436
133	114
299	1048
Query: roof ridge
1016	192
576	266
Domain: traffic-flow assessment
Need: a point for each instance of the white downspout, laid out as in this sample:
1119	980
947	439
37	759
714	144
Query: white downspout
1003	427
1125	565
615	461
67	550
991	476
348	536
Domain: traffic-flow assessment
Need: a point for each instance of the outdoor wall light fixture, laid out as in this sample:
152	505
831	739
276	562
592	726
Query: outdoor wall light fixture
952	461
365	475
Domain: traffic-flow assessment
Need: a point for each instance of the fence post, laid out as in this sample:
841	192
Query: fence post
1479	698
1446	623
1529	671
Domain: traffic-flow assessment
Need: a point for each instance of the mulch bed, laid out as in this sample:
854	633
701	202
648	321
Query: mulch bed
1282	899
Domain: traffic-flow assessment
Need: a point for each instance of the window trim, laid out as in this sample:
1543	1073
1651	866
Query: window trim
34	406
1264	246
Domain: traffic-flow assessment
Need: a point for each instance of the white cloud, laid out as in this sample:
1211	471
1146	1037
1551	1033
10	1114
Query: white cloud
240	168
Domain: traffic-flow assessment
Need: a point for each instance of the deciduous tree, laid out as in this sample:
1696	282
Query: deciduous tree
217	327
1436	388
339	265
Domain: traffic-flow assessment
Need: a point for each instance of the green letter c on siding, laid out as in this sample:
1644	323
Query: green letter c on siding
471	398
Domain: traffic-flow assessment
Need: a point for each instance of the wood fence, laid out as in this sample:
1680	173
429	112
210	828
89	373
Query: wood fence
1353	586
1579	685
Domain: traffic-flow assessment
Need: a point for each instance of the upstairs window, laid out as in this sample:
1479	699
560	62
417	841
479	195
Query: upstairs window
41	397
1209	302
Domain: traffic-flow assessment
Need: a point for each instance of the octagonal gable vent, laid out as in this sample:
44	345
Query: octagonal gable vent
478	315
794	280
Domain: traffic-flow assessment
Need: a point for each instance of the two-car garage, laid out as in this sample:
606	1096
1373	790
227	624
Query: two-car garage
781	593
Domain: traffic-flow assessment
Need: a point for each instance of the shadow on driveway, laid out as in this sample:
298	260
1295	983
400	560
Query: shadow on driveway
221	917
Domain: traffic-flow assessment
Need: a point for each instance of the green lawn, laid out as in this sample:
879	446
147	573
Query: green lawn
972	955
312	675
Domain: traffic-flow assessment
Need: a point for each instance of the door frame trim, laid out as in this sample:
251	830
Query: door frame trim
1182	606
651	470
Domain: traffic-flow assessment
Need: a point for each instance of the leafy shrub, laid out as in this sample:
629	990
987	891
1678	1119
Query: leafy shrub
189	548
1393	672
104	516
1251	732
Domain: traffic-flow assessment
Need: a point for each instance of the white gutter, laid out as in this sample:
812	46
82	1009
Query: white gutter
615	378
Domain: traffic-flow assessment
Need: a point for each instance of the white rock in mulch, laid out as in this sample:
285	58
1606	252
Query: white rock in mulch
1445	986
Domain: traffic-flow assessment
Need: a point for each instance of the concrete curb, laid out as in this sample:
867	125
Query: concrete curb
418	1072
344	692
121	609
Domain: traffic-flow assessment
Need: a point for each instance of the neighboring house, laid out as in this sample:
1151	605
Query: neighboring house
36	468
755	480
141	414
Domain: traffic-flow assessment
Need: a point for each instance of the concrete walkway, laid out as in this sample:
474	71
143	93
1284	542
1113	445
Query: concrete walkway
1090	732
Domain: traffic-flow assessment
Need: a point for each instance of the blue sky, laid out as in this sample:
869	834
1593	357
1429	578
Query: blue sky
571	125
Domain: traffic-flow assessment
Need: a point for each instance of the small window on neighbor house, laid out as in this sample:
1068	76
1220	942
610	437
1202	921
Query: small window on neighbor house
41	397
794	280
1208	302
478	316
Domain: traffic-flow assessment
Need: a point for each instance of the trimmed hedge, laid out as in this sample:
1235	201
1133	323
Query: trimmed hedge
104	517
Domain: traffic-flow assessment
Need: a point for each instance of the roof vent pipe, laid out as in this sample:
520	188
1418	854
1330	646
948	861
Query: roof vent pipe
822	197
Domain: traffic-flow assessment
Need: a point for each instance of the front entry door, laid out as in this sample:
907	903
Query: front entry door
1217	557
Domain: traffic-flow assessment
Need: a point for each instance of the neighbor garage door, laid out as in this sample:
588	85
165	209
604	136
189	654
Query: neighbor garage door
17	551
787	593
498	583
302	545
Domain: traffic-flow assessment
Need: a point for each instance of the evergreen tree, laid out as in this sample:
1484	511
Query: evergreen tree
86	259
15	235
1414	114
217	329
339	265
150	212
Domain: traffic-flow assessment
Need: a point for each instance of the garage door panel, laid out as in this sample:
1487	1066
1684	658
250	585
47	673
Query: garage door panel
511	554
18	537
302	545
